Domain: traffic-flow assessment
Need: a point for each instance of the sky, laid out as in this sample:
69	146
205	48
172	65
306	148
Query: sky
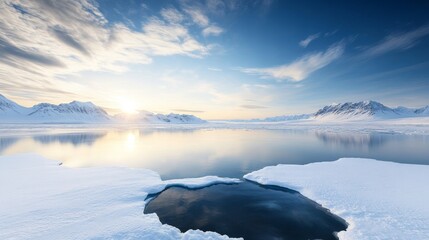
215	59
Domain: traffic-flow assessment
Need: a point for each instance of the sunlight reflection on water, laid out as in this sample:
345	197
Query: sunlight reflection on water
176	153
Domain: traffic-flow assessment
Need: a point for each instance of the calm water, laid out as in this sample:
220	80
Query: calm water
222	152
246	210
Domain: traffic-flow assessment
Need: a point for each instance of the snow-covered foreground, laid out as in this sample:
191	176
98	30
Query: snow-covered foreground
380	200
42	200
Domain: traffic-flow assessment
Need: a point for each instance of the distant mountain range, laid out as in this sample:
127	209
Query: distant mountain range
87	112
144	116
80	112
367	110
358	111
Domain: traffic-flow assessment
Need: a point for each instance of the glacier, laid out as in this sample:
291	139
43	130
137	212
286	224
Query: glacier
380	200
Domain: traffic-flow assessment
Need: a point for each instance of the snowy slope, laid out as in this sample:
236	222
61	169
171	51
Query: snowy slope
380	200
42	200
68	112
423	111
10	110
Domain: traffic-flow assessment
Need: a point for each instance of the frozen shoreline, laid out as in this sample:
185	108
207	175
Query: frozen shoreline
380	200
42	200
399	126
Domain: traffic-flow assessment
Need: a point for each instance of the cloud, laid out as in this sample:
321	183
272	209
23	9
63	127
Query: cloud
301	68
212	30
398	41
198	17
63	36
172	15
214	69
187	110
41	41
10	53
248	106
304	43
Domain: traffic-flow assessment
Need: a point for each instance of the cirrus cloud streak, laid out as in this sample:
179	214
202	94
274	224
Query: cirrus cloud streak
301	68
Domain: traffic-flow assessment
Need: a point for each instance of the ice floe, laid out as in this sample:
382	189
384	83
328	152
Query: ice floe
380	200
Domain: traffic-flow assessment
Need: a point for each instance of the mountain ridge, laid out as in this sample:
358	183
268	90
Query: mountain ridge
352	111
79	112
366	110
88	112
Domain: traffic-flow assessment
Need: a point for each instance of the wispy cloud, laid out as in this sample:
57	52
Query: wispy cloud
212	31
304	43
172	15
198	16
214	69
187	110
397	41
301	68
249	106
41	40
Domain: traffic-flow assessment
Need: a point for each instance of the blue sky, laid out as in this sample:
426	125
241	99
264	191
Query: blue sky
215	59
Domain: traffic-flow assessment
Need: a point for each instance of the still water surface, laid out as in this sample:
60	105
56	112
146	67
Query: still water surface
222	152
246	210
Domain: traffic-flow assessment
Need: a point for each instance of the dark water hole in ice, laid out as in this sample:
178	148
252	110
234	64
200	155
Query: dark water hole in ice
246	210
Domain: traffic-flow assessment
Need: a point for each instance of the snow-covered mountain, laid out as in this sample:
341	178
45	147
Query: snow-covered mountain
10	109
87	112
366	110
282	118
73	112
149	117
352	111
80	112
68	112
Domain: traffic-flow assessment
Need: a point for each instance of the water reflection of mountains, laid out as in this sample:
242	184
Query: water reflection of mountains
74	138
6	142
78	139
352	140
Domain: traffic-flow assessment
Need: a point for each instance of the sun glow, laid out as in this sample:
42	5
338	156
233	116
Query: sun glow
128	106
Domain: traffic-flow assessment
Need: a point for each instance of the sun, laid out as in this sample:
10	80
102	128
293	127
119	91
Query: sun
128	106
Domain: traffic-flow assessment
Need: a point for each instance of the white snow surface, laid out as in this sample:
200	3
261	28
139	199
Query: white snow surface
380	200
42	200
193	183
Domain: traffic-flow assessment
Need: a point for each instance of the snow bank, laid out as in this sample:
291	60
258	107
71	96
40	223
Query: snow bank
42	200
200	182
380	200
